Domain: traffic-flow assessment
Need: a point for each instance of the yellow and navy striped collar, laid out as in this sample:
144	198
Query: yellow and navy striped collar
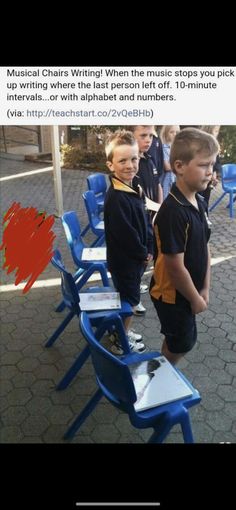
121	186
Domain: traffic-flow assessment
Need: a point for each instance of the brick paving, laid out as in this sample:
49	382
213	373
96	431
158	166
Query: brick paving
32	411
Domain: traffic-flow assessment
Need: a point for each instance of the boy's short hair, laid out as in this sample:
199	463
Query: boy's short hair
209	129
119	137
132	128
191	141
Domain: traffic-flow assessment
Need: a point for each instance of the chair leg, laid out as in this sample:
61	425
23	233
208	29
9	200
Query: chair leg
88	409
187	429
59	330
60	307
74	369
100	241
77	275
234	200
217	201
163	428
85	230
161	431
231	205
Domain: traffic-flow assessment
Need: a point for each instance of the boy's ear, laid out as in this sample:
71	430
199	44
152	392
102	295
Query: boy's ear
178	167
109	165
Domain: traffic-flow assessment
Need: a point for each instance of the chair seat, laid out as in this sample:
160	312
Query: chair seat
230	186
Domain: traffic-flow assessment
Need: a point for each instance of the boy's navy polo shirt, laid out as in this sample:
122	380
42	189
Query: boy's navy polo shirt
180	228
148	177
156	153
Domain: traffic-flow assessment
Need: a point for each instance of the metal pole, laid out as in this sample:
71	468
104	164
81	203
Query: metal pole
4	139
57	170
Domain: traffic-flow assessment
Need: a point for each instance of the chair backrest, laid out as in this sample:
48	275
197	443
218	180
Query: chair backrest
97	183
68	286
72	230
228	173
91	205
113	376
96	224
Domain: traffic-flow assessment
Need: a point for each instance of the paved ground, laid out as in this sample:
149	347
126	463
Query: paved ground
32	411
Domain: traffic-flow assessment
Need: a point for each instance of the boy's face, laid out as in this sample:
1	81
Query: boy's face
124	163
215	131
195	175
172	133
144	136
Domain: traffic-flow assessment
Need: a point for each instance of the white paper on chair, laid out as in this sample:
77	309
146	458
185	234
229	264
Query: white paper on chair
98	253
100	225
99	301
157	382
151	205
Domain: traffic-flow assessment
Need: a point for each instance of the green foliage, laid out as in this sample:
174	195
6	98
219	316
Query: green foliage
227	140
75	157
103	129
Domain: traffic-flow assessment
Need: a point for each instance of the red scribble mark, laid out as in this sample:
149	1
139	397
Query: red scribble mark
28	243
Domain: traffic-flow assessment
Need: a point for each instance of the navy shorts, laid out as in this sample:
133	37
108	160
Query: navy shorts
178	324
128	284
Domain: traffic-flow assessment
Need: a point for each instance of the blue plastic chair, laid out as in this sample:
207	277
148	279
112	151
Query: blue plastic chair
70	292
76	245
228	181
97	183
115	382
75	242
95	222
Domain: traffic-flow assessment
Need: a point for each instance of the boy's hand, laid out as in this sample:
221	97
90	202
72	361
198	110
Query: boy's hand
204	293
199	305
214	180
148	259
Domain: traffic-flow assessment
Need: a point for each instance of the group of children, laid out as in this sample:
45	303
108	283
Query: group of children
177	235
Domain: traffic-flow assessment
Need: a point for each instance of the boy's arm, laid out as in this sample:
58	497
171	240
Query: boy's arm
159	194
204	292
182	281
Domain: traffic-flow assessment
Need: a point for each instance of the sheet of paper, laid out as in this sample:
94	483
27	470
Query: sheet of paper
98	253
99	301
157	382
100	225
151	206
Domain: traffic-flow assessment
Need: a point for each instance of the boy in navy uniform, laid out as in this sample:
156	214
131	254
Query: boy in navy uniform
128	247
147	171
148	178
180	284
156	153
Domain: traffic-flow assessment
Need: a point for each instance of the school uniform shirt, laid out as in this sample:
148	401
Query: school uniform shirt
156	153
147	177
126	229
180	228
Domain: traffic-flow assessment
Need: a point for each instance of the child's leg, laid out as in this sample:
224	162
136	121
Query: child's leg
128	285
178	325
172	357
127	323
